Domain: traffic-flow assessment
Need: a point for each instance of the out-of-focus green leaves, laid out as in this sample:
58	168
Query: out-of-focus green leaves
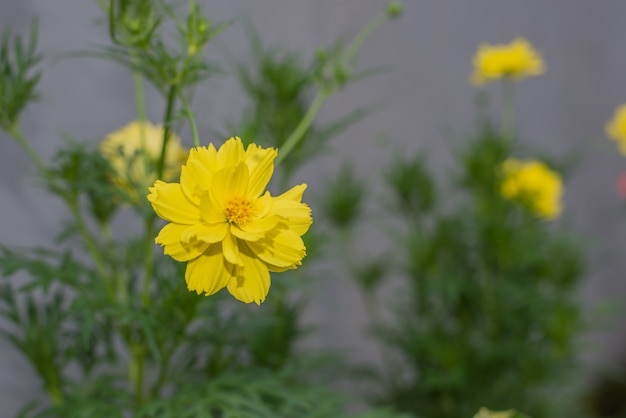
489	308
280	86
78	171
19	75
343	198
414	190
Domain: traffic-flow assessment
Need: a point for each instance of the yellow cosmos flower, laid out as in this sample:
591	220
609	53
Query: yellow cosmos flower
486	413
226	226
516	61
133	152
533	183
616	128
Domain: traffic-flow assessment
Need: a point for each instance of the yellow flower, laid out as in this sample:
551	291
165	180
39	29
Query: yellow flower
133	153
226	226
516	61
616	128
486	413
533	183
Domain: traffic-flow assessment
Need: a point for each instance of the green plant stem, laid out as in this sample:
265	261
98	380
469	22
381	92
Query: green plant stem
306	122
135	371
90	242
56	397
16	133
324	93
191	119
140	95
169	109
362	36
507	116
148	262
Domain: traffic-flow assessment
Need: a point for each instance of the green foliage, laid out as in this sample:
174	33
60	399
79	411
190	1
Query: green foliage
108	325
489	309
18	76
343	199
282	89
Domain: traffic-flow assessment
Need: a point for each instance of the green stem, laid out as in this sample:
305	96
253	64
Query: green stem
191	119
507	121
90	242
55	394
362	36
324	93
112	22
169	109
148	262
16	133
308	119
138	88
135	371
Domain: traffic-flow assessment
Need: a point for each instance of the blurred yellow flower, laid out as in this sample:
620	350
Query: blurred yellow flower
226	226
616	128
516	61
534	184
133	152
486	413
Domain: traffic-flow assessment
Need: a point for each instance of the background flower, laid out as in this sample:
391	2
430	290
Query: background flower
133	152
534	184
516	61
616	128
226	226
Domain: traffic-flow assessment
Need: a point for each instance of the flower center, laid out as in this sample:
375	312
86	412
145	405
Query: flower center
239	211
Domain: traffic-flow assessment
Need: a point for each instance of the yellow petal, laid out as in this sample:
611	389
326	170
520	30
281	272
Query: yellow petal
261	167
297	215
230	154
210	272
293	194
252	281
205	233
230	182
170	238
210	210
281	248
256	229
194	177
230	247
170	203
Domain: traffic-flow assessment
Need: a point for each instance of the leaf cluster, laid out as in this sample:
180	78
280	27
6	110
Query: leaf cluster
489	311
19	75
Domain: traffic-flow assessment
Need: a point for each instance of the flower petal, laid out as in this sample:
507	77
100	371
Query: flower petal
281	248
255	230
204	233
252	281
230	154
170	203
210	272
170	238
230	182
297	215
260	163
230	247
210	210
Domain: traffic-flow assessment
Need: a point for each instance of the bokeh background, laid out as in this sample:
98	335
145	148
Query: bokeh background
425	102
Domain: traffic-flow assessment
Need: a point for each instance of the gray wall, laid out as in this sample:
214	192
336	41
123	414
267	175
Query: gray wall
427	100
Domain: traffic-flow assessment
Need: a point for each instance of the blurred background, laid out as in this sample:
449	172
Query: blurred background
424	101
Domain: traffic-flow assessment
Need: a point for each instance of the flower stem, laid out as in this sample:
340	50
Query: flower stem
362	36
16	133
169	109
298	133
191	119
135	371
507	116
